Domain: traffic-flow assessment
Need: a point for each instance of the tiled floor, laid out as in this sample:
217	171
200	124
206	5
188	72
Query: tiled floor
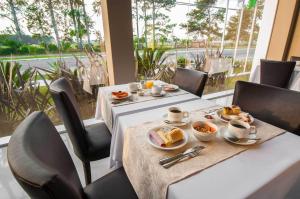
10	189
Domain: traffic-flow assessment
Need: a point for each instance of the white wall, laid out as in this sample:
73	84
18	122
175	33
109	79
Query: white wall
264	35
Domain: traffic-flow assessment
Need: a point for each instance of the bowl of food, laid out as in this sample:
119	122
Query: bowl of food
204	131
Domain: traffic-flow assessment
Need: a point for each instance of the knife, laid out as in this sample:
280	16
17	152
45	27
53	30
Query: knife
179	155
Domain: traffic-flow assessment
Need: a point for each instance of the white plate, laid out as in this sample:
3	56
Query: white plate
226	135
184	121
163	93
116	98
219	116
174	146
171	87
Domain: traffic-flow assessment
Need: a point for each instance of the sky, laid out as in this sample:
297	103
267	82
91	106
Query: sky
177	15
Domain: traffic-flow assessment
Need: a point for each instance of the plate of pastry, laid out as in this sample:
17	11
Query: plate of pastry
120	95
167	138
233	112
171	87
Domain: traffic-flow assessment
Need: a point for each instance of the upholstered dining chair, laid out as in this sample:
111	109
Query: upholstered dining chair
190	80
276	73
89	143
295	58
42	165
277	106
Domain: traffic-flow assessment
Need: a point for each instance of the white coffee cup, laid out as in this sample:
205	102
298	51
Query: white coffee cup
175	114
156	90
241	129
133	86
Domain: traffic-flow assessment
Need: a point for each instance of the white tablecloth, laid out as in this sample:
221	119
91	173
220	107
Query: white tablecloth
270	171
110	114
294	83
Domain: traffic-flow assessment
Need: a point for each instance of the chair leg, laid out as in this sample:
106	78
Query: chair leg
87	172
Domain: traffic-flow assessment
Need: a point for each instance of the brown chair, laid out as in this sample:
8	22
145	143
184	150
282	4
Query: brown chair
276	73
192	81
277	106
89	143
42	165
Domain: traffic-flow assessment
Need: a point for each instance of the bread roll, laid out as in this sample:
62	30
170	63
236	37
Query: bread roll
175	135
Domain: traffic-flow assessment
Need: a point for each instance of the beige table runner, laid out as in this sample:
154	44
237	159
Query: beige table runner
151	180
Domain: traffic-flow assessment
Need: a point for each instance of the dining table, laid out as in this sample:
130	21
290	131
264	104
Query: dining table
269	169
110	113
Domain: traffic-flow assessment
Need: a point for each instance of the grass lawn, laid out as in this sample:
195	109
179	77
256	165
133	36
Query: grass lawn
21	57
229	84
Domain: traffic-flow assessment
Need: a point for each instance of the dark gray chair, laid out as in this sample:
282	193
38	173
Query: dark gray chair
276	73
192	81
277	106
91	143
295	58
42	165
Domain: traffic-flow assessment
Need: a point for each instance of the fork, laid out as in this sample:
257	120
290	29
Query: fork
211	111
189	155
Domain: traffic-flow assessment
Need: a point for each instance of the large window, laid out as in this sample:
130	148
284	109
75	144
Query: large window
215	36
41	41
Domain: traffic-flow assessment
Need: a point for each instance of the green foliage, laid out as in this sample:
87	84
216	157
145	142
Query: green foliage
52	48
6	50
150	64
205	20
246	24
66	45
148	60
20	92
36	49
181	61
23	50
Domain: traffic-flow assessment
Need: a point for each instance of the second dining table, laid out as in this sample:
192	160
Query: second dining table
110	112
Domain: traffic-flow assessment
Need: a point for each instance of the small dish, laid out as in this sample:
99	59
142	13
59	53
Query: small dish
176	145
204	136
120	98
227	136
185	121
161	94
227	118
170	87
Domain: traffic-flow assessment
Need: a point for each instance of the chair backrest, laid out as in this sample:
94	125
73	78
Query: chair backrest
40	161
276	73
190	80
67	107
294	58
277	106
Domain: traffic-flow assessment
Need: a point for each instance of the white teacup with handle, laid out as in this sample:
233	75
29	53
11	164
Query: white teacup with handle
175	114
133	86
241	129
156	90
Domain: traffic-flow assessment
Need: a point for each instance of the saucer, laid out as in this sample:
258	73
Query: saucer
226	134
184	121
163	93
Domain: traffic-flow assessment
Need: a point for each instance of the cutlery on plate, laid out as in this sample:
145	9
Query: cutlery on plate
171	122
119	102
236	139
188	155
179	155
211	111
